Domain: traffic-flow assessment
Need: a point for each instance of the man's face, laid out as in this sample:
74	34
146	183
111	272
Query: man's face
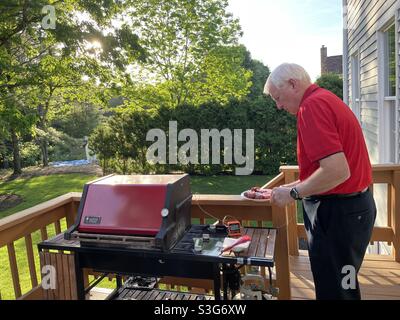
286	98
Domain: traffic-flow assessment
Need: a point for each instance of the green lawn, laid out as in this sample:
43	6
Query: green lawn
6	287
33	191
39	189
226	184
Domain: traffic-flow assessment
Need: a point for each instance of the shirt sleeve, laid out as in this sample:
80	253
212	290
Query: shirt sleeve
319	133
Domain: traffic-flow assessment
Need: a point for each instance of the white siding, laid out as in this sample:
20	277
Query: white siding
398	84
363	21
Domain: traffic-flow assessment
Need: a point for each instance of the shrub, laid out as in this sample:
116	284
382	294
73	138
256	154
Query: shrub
126	145
332	82
30	154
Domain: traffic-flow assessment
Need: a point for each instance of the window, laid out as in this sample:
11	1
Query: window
390	62
388	94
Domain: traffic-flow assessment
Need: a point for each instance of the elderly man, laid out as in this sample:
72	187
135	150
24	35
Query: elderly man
335	172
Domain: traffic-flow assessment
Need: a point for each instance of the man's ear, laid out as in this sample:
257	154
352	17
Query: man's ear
292	83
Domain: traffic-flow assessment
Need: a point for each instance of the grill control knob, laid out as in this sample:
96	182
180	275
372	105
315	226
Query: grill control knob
164	212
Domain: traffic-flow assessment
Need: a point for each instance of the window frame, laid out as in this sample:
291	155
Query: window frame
387	104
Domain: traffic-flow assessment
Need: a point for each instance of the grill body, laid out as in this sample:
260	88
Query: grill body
136	210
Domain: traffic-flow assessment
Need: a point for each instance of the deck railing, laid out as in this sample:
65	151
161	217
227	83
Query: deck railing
27	222
60	213
23	225
381	174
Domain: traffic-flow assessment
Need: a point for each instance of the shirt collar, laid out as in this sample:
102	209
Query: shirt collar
309	91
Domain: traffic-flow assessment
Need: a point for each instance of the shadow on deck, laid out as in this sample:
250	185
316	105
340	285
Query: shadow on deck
379	278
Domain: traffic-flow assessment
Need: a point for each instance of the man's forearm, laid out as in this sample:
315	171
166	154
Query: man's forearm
291	185
319	182
333	171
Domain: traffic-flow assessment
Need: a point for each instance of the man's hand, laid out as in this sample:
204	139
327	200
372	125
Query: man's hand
281	196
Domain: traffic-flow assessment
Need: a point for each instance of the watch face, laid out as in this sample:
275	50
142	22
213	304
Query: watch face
294	194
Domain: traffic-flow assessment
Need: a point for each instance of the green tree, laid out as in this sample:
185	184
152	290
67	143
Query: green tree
78	120
332	82
192	53
44	62
131	127
260	73
102	143
275	131
60	84
223	77
17	119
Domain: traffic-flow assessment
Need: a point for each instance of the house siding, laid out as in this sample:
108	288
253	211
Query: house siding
398	83
363	21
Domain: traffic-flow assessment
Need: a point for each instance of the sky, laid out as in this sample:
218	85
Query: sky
277	31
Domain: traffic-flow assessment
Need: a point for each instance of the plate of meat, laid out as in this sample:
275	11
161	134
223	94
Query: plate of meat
257	194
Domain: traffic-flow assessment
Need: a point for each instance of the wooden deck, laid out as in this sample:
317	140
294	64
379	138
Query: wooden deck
379	278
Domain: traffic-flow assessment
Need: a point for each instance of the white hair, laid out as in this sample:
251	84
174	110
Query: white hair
284	73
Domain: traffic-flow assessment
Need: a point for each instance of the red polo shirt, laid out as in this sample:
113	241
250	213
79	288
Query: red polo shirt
325	126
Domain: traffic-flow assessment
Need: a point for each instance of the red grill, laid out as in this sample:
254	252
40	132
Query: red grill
136	210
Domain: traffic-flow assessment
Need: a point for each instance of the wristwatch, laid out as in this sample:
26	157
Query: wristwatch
295	194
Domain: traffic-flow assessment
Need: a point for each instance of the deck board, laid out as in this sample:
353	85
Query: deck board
379	278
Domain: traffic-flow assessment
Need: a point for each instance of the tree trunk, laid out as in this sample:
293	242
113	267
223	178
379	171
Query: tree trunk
3	155
5	163
16	153
42	112
104	167
45	153
124	166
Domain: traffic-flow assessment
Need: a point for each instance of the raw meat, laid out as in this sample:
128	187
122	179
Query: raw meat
258	193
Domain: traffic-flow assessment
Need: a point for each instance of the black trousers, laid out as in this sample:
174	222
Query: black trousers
338	234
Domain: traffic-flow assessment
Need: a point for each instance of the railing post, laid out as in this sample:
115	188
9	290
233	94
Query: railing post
14	269
396	214
71	210
292	217
279	221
